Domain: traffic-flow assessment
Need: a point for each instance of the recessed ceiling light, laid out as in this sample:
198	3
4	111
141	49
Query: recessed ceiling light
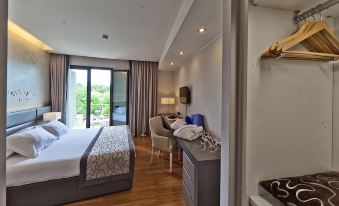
172	63
181	52
105	36
202	30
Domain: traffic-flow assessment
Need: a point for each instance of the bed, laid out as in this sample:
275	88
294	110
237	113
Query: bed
308	190
66	171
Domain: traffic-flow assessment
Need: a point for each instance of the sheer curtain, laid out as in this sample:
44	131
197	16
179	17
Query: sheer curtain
143	96
59	65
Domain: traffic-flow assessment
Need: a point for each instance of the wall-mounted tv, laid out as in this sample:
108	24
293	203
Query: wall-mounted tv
185	96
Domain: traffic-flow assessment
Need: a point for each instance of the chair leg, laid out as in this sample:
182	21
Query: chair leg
171	159
152	154
159	154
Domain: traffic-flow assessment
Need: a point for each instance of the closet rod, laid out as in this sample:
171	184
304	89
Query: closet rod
315	10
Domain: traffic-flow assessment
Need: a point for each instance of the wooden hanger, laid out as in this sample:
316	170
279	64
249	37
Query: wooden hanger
316	36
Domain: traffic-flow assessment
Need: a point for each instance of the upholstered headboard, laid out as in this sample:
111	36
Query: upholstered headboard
19	120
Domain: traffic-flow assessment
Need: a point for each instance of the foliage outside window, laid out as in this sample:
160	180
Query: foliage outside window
100	100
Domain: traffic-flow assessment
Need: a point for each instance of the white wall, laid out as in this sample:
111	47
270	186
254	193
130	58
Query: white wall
203	76
28	80
289	106
99	62
3	96
336	106
165	89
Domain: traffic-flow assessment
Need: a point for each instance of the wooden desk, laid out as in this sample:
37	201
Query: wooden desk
201	171
201	174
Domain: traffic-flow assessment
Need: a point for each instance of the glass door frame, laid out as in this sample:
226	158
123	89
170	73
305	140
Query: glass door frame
89	88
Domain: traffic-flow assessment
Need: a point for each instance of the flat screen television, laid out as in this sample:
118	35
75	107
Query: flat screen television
185	96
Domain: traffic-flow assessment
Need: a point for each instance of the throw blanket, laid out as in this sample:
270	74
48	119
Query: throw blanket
320	189
109	157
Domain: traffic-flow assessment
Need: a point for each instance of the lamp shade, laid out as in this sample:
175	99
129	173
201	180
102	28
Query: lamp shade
50	116
167	100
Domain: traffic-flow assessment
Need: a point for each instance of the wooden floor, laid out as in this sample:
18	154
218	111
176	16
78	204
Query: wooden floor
153	184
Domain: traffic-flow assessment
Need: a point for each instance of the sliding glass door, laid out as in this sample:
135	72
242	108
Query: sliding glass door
76	110
100	111
120	98
97	97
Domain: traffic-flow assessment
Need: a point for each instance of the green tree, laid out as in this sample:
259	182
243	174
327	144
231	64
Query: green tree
100	99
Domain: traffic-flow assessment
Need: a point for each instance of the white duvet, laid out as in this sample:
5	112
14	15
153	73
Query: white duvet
59	160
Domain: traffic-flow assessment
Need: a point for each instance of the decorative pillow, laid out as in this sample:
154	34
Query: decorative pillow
9	153
30	143
56	128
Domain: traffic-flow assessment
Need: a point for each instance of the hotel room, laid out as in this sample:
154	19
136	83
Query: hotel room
169	102
88	83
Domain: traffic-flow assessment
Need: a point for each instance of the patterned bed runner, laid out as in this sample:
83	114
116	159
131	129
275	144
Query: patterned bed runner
109	157
320	189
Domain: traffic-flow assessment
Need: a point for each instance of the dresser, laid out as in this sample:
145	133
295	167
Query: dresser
201	174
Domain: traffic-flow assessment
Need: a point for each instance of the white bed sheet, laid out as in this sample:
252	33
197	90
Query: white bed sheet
60	160
119	117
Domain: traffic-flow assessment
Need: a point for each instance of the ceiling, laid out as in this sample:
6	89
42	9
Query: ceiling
293	5
203	13
149	30
137	29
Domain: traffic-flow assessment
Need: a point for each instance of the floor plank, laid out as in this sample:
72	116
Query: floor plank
153	184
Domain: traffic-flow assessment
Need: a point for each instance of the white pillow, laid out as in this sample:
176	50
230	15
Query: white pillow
30	143
120	110
9	153
26	129
56	128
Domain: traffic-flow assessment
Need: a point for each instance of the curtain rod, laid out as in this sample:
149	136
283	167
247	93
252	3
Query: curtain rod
315	10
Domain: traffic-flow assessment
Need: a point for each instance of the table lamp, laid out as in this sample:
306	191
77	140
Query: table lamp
168	101
51	116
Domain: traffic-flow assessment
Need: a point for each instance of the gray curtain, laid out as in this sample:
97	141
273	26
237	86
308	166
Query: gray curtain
143	96
59	65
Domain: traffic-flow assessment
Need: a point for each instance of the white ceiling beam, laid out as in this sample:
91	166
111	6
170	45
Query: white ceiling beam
184	9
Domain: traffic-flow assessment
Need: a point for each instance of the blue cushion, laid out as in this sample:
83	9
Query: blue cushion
197	119
188	120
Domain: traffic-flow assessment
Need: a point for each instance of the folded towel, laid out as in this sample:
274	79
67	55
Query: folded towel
178	124
189	132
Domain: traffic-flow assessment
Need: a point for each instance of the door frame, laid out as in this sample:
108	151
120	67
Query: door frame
89	86
234	101
3	101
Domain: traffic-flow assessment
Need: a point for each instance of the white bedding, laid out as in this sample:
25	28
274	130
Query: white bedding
59	160
119	117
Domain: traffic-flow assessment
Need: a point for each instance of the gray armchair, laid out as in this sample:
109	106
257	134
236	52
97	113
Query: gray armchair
162	139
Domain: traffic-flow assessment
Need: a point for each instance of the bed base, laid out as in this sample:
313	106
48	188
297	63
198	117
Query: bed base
264	200
61	191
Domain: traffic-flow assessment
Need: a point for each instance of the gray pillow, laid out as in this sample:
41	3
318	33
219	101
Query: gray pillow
56	128
30	143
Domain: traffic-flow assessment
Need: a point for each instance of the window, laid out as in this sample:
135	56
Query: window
97	97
